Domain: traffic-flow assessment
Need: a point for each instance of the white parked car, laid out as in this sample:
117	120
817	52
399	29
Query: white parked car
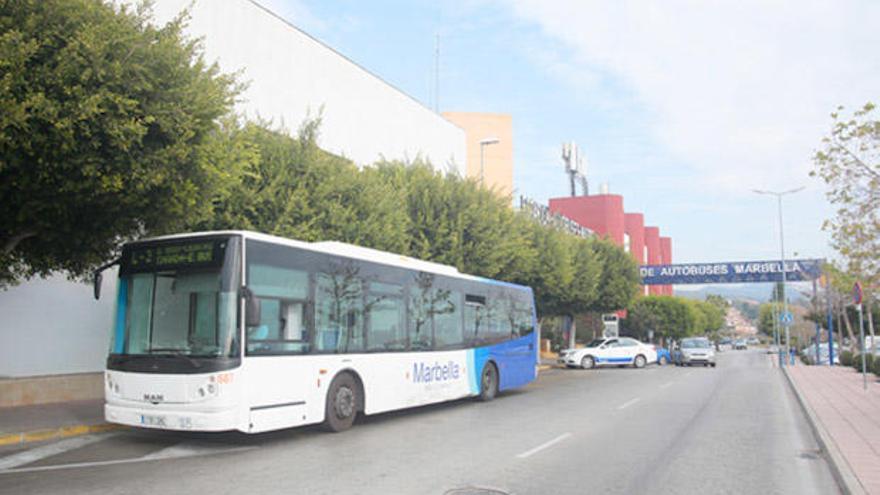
610	352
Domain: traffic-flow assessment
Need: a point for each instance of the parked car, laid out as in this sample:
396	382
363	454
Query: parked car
810	352
695	350
618	351
740	345
753	341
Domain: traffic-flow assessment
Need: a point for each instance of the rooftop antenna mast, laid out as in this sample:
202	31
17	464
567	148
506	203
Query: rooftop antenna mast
575	168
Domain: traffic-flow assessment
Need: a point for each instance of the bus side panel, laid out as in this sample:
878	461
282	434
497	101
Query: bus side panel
516	361
282	391
400	380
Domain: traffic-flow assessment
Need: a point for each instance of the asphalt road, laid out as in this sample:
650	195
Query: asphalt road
732	429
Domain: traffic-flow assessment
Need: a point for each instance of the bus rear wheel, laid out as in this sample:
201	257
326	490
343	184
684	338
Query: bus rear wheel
342	403
489	382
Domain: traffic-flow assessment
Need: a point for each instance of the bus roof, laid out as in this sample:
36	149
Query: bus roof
344	250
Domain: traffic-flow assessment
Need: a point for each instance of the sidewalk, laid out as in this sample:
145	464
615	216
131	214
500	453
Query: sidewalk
44	422
846	419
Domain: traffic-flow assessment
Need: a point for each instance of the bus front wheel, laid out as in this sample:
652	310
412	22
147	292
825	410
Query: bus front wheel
342	403
489	382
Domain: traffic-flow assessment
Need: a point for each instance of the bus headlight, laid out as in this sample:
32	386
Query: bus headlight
112	385
206	390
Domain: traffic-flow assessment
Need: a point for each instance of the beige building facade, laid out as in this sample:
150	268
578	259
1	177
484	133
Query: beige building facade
496	163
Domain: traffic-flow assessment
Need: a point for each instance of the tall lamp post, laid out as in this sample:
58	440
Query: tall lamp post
779	195
483	144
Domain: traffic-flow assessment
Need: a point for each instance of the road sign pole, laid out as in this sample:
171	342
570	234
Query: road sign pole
818	331
857	300
862	344
830	322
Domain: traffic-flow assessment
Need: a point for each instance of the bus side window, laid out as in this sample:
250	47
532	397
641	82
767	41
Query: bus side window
475	324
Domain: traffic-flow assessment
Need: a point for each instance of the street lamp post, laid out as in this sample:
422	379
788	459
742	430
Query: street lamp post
483	144
779	195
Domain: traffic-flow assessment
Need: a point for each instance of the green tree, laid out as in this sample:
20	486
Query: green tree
619	278
288	186
102	118
768	317
667	316
849	163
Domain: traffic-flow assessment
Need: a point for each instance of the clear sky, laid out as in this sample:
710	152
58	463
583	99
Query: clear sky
683	107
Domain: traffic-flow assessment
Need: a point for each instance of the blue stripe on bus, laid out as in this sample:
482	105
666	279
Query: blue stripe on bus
121	301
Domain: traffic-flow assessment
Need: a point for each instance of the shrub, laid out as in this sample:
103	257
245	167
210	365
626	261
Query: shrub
846	358
857	362
876	368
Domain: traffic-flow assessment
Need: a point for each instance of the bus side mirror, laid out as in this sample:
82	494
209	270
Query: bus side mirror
97	278
252	309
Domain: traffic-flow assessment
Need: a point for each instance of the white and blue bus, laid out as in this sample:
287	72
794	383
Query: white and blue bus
244	331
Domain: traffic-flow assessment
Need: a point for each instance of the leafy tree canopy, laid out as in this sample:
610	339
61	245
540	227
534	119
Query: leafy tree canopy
849	163
102	118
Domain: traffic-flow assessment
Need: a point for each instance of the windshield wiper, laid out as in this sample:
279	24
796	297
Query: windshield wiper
176	352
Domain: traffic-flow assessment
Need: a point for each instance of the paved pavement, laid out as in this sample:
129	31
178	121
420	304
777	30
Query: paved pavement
48	421
848	416
732	429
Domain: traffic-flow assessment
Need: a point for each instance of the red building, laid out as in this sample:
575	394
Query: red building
666	258
602	213
655	257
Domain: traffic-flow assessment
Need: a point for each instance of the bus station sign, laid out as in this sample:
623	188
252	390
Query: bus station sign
731	272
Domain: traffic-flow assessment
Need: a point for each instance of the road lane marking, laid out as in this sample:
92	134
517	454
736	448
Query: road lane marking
174	452
628	403
667	384
39	453
543	446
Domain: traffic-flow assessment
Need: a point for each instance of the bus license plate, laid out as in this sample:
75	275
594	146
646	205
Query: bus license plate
150	420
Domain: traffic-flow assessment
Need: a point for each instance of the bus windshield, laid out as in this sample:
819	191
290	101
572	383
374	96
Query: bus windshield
178	299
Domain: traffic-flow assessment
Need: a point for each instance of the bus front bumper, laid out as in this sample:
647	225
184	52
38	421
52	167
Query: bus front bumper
170	419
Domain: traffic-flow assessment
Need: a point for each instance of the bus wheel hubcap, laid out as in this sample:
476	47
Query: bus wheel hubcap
344	402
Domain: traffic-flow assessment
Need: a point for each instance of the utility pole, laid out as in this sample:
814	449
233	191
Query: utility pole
782	268
437	73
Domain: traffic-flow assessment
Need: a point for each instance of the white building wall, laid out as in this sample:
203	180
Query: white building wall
293	76
55	326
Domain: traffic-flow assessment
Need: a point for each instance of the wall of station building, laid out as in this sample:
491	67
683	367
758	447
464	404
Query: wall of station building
493	163
54	326
605	215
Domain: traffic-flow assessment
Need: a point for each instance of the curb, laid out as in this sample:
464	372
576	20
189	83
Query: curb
53	433
846	480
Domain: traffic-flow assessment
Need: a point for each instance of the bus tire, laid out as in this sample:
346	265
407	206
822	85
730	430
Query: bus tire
488	382
342	403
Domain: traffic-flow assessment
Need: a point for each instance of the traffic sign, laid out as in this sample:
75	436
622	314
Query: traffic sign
857	293
786	318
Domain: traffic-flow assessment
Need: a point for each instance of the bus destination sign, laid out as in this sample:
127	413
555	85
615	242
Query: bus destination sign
177	255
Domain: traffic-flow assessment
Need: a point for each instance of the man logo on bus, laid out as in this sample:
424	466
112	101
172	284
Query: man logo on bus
427	373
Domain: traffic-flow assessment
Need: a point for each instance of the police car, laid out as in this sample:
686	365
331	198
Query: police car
617	351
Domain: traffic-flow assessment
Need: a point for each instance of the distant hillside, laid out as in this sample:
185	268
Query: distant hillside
759	292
